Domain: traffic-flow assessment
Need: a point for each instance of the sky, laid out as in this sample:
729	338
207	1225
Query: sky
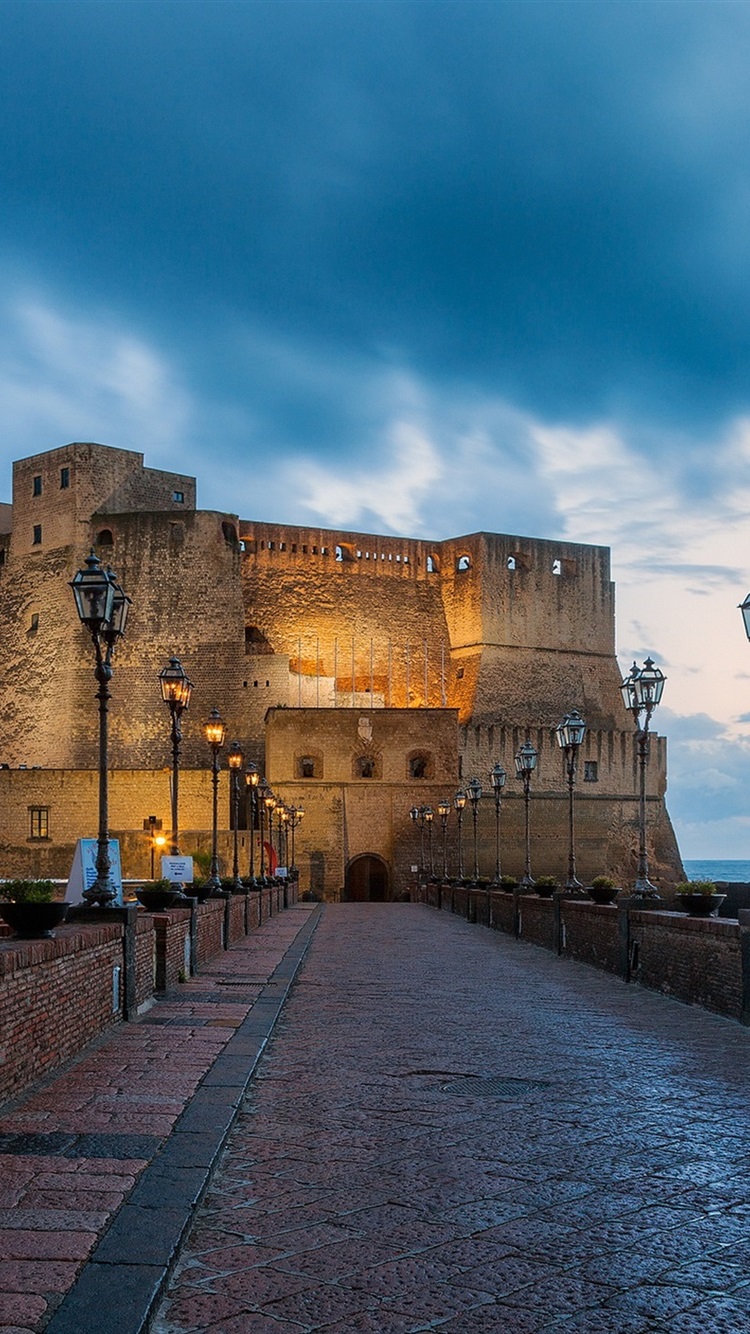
411	266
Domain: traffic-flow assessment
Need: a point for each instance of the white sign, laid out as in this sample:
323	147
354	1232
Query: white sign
83	870
282	871
178	870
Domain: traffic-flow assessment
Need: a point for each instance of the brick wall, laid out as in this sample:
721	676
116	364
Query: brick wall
209	929
145	959
696	960
590	933
172	929
55	996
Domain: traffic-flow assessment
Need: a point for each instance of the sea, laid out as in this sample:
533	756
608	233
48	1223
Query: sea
717	870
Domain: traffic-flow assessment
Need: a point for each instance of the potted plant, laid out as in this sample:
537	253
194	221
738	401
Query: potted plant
699	897
158	895
603	889
30	908
545	886
508	883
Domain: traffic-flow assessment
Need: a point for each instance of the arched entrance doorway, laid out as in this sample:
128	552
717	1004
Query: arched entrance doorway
366	880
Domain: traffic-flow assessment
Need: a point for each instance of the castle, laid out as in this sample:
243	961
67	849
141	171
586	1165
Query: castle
363	674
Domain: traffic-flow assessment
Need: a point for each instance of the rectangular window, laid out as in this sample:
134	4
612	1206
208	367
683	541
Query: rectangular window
64	479
39	821
590	771
178	497
37	538
34	622
307	767
37	486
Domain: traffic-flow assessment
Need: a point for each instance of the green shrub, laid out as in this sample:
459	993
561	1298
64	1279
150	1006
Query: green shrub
28	891
603	882
696	887
546	882
508	882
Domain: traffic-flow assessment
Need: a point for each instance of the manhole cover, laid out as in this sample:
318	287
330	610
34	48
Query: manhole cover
493	1086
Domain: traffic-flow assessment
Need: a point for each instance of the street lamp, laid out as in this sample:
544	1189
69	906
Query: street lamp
215	734
296	814
252	779
570	733
641	692
474	793
497	778
429	816
459	801
525	762
176	689
235	760
416	817
444	810
263	790
103	610
269	801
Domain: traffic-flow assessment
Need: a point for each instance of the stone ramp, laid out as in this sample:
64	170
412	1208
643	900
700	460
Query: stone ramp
451	1130
105	1161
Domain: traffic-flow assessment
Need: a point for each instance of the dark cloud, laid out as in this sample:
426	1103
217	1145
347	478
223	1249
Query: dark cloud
547	202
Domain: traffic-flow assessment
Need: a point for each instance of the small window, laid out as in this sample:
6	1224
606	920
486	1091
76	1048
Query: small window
590	771
39	822
307	767
433	564
37	537
37	486
511	563
418	766
34	623
463	563
105	538
178	497
2	555
230	534
557	567
365	767
459	673
64	479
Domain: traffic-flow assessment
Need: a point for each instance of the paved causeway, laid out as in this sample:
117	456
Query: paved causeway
452	1130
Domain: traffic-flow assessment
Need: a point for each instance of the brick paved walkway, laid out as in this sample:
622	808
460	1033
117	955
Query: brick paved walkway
451	1130
71	1152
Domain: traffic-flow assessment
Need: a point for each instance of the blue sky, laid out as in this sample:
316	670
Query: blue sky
416	267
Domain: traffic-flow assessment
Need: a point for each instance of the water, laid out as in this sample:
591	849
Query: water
718	870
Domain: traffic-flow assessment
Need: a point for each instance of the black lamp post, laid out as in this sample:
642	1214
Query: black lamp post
215	733
525	762
497	778
415	815
641	692
459	801
269	801
263	790
570	733
429	816
296	814
176	689
252	779
103	610
235	760
474	793
444	810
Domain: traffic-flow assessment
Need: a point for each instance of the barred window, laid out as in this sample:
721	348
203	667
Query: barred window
590	771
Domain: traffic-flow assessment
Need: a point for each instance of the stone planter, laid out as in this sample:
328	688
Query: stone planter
34	921
701	905
603	893
157	900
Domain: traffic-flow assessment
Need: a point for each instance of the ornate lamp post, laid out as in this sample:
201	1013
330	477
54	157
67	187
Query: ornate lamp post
444	810
215	733
474	793
459	801
570	733
416	817
176	689
296	814
235	760
263	790
269	801
252	779
428	817
525	762
497	778
641	692
103	610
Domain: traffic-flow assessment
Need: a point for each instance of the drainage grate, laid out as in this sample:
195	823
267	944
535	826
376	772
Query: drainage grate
493	1086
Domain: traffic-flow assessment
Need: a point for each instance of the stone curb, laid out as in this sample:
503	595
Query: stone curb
127	1271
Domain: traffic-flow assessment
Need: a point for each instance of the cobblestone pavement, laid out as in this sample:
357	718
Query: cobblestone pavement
72	1151
453	1130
